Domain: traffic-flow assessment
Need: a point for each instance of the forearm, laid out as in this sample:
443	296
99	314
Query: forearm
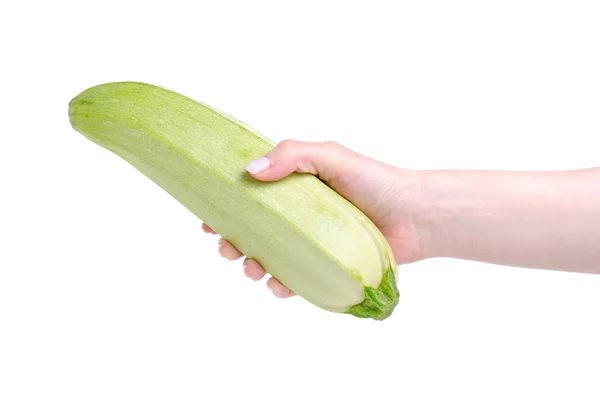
548	220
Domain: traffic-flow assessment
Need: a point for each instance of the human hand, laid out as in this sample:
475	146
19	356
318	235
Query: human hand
386	194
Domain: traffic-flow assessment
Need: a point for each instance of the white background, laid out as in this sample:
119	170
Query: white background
108	287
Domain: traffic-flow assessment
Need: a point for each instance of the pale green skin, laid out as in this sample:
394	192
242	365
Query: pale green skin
301	231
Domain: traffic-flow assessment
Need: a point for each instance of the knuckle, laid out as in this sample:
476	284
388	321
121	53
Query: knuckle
287	144
332	145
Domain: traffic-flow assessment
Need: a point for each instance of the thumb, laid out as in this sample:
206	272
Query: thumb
324	159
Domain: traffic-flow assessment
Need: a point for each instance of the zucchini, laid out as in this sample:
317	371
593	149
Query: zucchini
302	232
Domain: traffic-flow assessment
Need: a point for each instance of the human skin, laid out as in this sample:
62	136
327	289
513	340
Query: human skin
543	220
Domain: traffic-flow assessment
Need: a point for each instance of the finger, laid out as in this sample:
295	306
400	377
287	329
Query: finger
207	229
253	269
279	290
324	159
228	251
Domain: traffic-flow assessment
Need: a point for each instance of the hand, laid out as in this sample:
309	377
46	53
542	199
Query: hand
386	194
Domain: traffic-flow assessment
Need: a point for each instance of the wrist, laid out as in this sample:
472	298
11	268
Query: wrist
522	218
472	214
437	210
418	214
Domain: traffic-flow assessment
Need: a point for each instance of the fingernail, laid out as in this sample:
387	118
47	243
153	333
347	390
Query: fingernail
258	166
